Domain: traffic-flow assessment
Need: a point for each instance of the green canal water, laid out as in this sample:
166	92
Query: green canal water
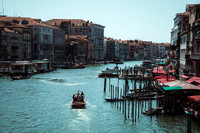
43	104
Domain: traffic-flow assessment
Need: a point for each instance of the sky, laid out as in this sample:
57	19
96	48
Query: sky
148	20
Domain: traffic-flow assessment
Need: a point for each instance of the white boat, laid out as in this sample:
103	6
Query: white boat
114	70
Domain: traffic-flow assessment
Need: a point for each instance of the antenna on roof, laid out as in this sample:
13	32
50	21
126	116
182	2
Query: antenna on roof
2	8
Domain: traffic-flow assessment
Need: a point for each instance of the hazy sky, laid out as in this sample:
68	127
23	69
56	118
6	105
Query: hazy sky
150	20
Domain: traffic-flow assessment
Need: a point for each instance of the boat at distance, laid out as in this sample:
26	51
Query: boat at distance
18	77
73	66
140	95
114	72
119	62
78	101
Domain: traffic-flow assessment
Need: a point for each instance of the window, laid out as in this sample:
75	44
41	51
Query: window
46	37
15	22
25	22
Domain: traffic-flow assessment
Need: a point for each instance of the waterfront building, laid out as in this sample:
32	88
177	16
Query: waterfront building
43	47
141	51
104	44
90	50
110	48
194	19
42	36
11	45
117	51
27	39
185	50
123	50
148	50
59	46
86	28
77	50
162	51
97	35
175	46
132	49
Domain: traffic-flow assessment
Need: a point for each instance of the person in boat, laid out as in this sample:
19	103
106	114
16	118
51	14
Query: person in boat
74	98
78	95
82	95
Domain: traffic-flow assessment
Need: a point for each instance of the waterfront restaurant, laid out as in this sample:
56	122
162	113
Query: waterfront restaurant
175	95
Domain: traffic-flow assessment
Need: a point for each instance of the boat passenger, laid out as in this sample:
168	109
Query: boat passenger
82	94
78	94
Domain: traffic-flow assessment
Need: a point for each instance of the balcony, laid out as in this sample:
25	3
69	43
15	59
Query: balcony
195	56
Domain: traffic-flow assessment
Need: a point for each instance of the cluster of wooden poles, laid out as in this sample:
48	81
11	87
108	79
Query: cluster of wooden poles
132	108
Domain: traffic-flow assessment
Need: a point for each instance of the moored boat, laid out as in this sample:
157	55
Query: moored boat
75	66
140	95
19	77
119	62
78	101
110	72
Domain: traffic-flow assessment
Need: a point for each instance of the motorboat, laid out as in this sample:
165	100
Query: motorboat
141	94
18	77
75	66
78	101
110	72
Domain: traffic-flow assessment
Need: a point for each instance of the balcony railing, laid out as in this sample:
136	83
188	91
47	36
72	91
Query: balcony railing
195	56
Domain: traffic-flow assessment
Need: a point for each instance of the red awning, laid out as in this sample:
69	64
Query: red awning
168	66
171	71
185	77
194	98
163	77
197	79
165	80
159	71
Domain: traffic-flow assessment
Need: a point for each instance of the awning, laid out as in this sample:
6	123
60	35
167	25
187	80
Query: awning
163	77
173	88
168	66
159	71
165	80
185	77
197	79
184	85
194	98
171	71
160	64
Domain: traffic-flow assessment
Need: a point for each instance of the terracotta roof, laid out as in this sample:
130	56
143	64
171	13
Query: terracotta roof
192	5
59	21
9	30
31	21
77	38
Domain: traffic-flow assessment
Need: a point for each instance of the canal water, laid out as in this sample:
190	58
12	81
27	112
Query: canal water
43	104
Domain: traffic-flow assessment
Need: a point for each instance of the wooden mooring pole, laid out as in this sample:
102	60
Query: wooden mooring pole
105	84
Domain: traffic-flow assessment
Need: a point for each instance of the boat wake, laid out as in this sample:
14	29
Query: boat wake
73	84
81	119
90	105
